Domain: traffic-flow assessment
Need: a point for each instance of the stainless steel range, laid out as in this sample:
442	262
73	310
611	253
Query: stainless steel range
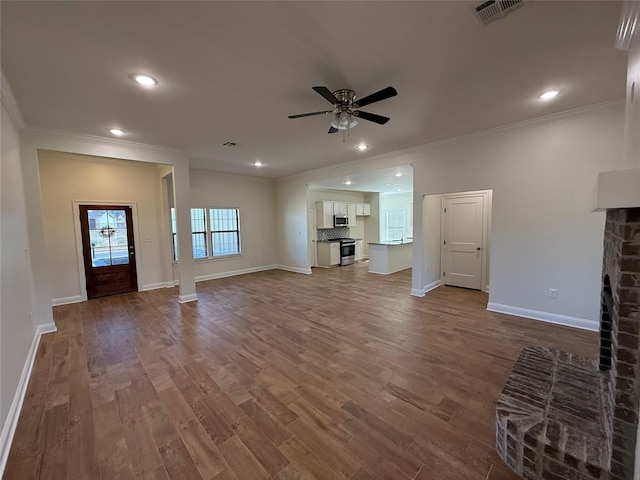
347	250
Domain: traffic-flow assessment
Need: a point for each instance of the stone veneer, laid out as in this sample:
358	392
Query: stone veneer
562	416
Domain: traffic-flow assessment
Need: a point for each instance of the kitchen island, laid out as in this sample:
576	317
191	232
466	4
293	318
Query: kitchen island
390	257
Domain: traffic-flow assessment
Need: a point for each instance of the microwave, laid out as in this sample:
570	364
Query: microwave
340	220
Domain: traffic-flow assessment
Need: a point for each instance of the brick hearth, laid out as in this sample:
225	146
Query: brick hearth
562	416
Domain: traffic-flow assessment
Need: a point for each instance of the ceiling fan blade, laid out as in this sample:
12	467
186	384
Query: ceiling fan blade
333	130
300	115
326	93
372	117
376	97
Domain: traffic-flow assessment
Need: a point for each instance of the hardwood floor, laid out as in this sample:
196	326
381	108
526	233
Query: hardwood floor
339	375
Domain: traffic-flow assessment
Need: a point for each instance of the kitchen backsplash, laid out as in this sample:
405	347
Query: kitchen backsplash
330	233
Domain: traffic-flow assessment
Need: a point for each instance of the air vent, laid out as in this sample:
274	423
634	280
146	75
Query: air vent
492	10
229	144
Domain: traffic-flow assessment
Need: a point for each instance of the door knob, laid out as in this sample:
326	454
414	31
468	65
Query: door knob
478	248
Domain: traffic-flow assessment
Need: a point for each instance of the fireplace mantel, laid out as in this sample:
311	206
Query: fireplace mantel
618	189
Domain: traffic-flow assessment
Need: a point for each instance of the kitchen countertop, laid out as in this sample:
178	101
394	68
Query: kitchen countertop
335	241
392	243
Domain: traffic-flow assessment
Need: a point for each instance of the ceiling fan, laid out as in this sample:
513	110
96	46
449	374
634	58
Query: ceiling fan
345	107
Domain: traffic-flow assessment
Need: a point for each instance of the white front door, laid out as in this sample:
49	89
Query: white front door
462	241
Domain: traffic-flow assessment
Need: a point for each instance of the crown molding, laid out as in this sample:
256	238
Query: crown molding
533	122
10	103
29	131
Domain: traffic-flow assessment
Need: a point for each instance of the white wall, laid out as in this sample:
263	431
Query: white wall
543	233
632	123
65	178
256	200
431	227
17	330
542	173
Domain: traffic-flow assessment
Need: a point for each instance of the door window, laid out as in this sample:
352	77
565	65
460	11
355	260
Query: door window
109	237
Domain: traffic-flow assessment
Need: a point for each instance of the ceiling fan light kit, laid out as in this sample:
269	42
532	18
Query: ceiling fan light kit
345	113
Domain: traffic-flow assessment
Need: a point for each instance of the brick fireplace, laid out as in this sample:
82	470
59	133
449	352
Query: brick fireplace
620	335
562	416
565	417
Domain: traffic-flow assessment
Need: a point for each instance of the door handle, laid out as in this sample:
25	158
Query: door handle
478	248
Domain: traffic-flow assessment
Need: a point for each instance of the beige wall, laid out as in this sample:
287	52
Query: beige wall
255	198
17	329
65	178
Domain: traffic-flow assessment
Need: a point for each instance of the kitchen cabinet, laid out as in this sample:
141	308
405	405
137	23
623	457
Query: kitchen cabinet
363	209
340	208
328	254
324	214
359	254
351	213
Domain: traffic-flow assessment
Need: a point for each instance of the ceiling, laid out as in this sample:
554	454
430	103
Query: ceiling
386	181
234	71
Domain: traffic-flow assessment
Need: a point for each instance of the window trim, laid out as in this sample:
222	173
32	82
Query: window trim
207	247
237	231
208	234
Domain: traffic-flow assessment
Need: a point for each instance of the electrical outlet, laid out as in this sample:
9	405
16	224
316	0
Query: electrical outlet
553	293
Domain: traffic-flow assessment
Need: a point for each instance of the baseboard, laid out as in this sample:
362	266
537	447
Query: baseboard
65	300
192	297
387	273
306	271
427	288
10	424
556	318
156	286
233	273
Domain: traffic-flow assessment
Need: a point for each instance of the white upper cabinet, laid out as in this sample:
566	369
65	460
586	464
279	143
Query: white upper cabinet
351	212
340	208
324	214
363	209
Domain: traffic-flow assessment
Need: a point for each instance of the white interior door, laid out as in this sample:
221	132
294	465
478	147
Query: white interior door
462	241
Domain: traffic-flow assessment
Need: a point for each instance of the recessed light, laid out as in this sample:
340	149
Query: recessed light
144	80
348	182
399	190
398	174
257	163
549	94
117	132
362	148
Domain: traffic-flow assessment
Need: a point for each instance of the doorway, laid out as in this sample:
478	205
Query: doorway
108	249
465	239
